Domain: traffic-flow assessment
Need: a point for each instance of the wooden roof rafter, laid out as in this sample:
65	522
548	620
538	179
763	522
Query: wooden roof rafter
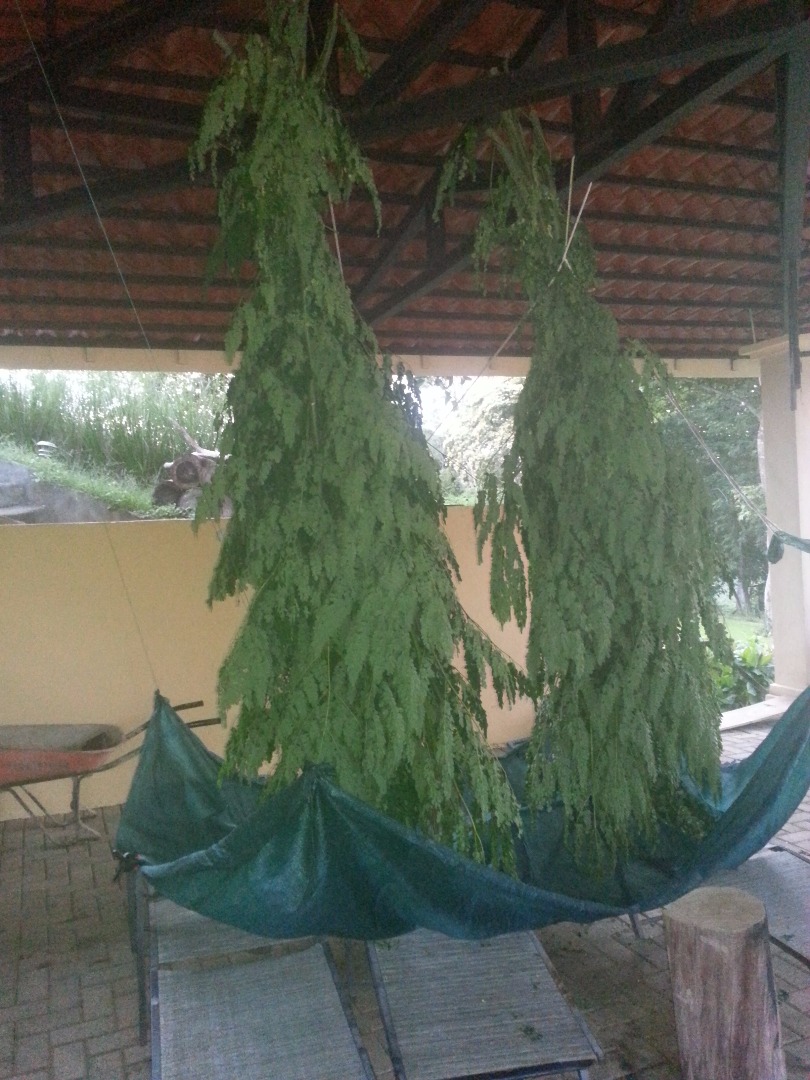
689	120
794	115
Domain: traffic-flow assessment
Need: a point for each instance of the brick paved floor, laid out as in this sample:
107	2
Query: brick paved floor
68	1006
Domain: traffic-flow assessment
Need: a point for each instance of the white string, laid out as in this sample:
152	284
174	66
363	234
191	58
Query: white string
83	176
563	261
766	521
131	606
129	296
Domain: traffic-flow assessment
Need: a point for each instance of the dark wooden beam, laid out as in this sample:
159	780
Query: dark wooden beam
15	152
768	291
630	97
698	323
689	187
771	26
76	200
122	303
549	24
110	335
443	315
142	114
706	281
412	223
794	149
681	302
96	43
619	217
51	20
586	107
703	146
696	90
420	215
422	283
222	283
423	47
674	254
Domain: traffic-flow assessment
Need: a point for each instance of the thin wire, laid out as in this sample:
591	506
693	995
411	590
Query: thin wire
766	521
337	239
129	296
83	176
131	605
563	261
488	363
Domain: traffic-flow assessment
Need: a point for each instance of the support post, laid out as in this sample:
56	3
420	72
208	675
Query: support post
722	987
786	435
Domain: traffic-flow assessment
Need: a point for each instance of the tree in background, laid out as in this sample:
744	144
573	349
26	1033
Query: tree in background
726	415
475	434
123	422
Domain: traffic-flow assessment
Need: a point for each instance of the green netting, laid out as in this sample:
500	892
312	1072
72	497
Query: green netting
776	548
313	860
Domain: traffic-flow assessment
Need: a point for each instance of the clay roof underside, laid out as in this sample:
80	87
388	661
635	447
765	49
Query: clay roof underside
691	122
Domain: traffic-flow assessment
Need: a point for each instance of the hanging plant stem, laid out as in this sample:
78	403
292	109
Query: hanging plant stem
614	564
346	654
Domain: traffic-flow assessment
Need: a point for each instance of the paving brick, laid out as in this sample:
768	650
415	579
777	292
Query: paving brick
32	985
96	1001
116	1040
107	1067
141	1071
32	1052
71	953
133	1055
87	1029
70	1061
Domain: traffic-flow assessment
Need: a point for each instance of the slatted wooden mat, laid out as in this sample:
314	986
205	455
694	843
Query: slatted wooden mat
473	1009
781	880
185	935
228	1005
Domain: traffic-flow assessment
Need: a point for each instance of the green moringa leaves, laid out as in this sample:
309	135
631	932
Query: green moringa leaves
346	654
616	564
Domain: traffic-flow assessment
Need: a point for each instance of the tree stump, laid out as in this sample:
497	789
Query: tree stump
722	987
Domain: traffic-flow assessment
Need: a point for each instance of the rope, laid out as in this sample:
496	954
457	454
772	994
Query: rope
569	237
776	545
93	203
131	606
129	296
766	521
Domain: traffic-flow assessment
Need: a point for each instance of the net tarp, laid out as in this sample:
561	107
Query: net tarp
312	860
776	548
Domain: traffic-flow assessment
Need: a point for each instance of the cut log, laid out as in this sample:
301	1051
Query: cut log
722	986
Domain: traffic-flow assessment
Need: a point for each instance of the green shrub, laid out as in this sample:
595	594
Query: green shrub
746	679
121	422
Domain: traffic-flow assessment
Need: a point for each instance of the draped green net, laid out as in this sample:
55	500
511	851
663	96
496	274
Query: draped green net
312	860
776	548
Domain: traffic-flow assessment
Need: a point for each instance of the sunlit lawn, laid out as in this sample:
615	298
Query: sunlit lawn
744	629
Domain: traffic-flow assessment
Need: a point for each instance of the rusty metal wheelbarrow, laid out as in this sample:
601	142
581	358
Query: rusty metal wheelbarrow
35	753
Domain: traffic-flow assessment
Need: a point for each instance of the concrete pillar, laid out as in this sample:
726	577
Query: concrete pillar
786	436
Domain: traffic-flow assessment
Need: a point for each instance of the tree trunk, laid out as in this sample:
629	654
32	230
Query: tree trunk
722	986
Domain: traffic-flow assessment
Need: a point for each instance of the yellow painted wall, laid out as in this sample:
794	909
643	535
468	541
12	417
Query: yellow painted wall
94	617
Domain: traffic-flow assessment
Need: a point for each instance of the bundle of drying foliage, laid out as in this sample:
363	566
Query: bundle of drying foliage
346	654
601	533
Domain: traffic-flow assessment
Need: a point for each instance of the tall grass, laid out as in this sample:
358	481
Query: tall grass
120	422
